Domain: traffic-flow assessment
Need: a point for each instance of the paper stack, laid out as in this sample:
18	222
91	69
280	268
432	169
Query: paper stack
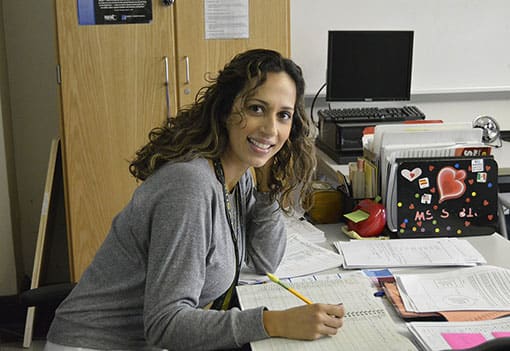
304	228
436	336
302	257
408	253
471	288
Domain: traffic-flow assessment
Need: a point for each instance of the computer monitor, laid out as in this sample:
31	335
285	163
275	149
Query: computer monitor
369	65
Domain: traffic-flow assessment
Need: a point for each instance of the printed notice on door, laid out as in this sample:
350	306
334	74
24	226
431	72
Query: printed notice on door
92	12
226	19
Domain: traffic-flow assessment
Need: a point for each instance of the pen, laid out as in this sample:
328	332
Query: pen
288	288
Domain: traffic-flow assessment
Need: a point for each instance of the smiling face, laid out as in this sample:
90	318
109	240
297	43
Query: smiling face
259	125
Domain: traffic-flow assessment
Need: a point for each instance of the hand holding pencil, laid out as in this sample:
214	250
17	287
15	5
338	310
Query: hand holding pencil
307	322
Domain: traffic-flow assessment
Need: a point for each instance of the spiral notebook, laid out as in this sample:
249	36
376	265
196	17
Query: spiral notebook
447	196
367	325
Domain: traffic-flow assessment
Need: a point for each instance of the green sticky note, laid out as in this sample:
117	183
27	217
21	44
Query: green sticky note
357	216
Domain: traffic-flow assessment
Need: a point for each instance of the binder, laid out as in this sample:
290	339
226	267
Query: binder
443	197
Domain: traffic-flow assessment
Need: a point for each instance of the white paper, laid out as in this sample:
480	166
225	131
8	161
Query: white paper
301	257
473	288
408	253
304	228
227	19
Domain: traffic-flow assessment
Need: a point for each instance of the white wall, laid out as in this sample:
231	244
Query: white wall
460	107
8	269
459	45
30	58
476	31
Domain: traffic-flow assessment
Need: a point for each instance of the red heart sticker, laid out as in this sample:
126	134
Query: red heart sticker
450	183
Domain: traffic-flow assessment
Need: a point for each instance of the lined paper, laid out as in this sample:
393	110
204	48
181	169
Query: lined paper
367	326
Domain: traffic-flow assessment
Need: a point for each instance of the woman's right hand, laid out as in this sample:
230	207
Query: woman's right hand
308	322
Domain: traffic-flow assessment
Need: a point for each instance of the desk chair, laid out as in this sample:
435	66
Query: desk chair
503	202
46	299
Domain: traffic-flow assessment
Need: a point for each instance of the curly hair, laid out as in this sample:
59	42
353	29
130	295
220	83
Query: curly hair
199	130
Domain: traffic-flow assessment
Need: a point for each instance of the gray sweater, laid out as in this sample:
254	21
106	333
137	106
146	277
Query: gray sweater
168	254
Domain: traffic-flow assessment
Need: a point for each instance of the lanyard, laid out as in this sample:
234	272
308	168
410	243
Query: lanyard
223	301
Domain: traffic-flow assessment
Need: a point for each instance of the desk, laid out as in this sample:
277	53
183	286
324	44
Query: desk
494	248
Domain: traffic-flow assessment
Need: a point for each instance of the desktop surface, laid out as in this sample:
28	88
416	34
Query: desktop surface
494	248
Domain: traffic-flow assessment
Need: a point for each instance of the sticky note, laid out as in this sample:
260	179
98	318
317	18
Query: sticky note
501	334
458	341
357	216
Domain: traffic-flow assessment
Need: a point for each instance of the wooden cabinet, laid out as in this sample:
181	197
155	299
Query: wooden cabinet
114	90
269	27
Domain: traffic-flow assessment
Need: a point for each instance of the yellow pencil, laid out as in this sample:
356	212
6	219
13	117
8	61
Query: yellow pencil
288	288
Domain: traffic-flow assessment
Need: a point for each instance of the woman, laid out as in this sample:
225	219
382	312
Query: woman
164	276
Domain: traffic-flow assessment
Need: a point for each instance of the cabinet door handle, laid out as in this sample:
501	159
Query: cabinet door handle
167	87
168	2
186	61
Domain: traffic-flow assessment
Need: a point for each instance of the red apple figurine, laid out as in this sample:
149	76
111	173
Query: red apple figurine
376	221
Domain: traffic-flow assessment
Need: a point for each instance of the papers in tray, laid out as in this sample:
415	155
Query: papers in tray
470	288
435	336
419	140
408	253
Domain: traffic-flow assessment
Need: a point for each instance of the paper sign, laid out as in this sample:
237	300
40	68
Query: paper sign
226	19
92	12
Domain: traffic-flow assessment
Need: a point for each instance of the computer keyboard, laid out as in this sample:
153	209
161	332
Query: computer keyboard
373	114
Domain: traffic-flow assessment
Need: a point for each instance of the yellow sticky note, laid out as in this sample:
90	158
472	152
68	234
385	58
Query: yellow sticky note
357	216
